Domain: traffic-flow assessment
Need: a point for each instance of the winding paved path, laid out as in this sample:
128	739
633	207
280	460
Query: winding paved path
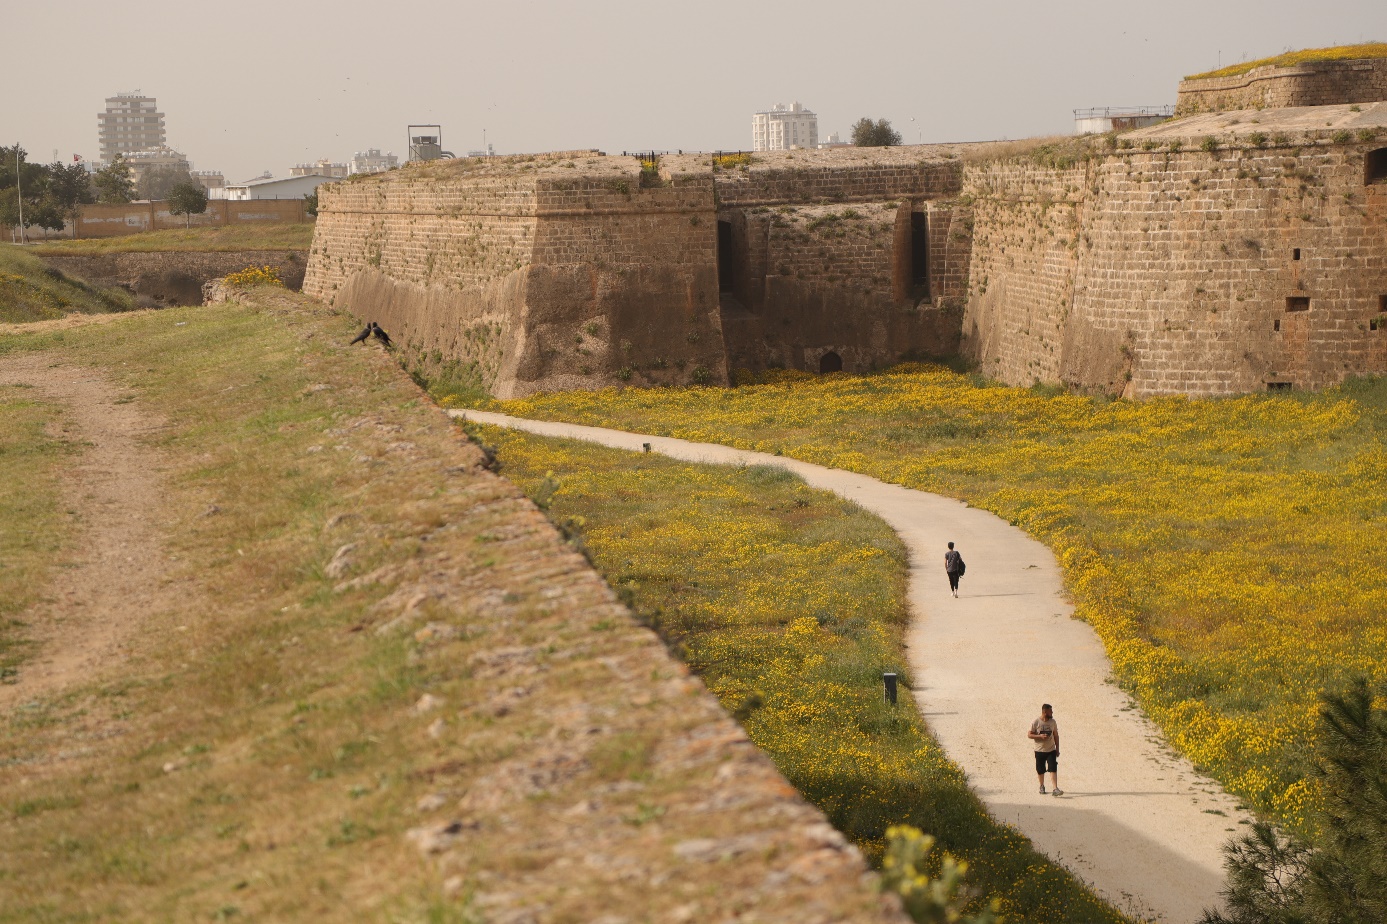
1136	822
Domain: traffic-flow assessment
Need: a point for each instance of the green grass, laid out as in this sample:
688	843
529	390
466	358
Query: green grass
1304	56
1228	552
32	291
297	764
264	236
33	527
789	603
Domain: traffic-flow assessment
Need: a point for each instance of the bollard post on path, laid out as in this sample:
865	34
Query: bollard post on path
889	680
645	446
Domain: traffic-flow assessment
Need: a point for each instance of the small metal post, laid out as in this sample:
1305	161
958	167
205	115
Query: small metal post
645	446
890	681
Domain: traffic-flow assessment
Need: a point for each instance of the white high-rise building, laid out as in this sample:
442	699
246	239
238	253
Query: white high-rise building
782	127
130	123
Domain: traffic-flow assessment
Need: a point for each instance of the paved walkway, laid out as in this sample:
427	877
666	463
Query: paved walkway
1136	822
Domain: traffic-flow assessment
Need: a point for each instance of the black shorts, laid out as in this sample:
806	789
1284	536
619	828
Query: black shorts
1047	761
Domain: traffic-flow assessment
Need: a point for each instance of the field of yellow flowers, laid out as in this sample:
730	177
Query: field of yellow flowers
789	603
1229	552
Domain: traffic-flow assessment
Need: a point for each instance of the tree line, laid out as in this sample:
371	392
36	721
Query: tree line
53	194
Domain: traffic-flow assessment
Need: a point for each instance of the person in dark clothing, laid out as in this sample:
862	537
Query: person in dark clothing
954	568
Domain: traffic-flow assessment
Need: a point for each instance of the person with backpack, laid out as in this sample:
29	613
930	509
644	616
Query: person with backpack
954	568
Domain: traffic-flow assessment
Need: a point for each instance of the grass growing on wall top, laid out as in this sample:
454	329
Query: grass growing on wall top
277	235
31	291
1228	552
790	603
1304	56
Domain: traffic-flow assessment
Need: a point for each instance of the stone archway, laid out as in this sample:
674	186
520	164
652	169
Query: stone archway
830	362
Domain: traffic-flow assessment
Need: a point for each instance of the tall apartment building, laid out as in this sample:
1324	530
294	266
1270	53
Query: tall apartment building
783	127
130	123
372	161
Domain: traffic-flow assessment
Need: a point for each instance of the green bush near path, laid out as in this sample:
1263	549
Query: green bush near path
789	603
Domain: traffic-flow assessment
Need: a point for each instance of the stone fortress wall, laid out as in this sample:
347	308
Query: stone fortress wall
1219	253
1211	255
1318	83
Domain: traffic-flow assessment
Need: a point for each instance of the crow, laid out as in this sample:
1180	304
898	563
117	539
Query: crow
380	333
363	335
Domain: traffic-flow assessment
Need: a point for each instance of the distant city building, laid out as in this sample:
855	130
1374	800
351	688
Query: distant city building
1114	119
834	142
372	161
210	179
323	167
782	127
161	157
130	123
489	152
291	187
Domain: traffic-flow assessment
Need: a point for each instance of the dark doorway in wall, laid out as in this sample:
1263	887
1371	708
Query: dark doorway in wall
1298	303
919	254
725	280
1375	167
1295	253
830	362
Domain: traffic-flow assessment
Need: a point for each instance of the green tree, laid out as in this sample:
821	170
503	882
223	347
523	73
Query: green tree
113	183
1342	878
310	203
69	188
156	182
941	899
878	134
187	199
18	176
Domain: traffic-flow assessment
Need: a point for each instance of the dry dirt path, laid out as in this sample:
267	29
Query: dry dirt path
118	575
1136	822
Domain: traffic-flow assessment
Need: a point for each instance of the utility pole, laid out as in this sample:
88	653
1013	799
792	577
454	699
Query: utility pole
19	191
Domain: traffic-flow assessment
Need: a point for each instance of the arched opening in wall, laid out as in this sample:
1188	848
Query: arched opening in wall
1375	167
830	362
725	274
919	255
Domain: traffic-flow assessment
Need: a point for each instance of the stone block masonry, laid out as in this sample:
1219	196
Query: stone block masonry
1319	83
1214	255
522	274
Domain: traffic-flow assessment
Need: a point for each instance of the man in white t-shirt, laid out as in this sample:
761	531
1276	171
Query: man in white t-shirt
1045	733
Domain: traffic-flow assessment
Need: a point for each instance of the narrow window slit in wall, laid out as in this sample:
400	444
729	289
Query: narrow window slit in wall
919	254
1295	253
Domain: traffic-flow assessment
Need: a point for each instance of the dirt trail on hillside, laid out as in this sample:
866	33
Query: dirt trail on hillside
118	575
1137	822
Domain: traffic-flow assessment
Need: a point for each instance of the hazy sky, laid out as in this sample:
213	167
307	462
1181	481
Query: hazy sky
252	86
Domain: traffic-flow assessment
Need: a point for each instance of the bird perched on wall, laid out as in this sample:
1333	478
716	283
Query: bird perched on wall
365	332
380	333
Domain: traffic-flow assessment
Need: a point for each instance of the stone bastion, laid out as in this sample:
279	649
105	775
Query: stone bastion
1214	254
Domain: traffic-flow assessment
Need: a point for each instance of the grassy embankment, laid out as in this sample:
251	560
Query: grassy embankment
267	236
1228	552
789	602
31	291
1304	56
253	756
32	526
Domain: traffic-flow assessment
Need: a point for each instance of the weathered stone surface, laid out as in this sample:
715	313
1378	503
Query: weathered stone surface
1318	83
1178	262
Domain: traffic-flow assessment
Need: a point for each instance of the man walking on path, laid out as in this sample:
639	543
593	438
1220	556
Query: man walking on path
953	567
1045	732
